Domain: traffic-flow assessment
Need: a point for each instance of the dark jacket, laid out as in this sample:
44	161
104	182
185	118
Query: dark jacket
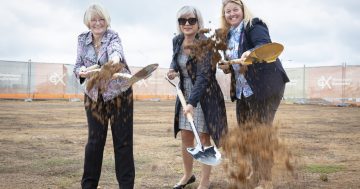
265	79
206	90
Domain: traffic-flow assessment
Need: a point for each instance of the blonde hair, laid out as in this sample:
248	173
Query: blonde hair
187	10
248	16
94	10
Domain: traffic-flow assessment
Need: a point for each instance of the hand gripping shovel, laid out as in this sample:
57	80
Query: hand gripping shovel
265	53
207	155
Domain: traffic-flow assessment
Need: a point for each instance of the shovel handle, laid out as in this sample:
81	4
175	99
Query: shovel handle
188	116
183	103
234	61
122	75
237	61
90	68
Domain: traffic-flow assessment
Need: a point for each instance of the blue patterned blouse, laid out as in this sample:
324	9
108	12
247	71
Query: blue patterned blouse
236	34
86	56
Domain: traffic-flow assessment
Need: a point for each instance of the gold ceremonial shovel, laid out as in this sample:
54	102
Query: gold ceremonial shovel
265	53
144	73
101	76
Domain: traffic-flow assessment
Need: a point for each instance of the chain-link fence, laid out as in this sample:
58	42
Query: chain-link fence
36	80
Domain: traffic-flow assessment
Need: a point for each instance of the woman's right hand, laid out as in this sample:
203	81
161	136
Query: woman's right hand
171	74
89	73
83	74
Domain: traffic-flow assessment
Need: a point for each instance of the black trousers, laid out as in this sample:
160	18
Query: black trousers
120	113
255	111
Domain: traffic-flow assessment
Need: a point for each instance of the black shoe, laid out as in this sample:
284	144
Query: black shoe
181	186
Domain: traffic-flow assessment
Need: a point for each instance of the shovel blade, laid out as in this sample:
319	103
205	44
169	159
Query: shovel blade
209	156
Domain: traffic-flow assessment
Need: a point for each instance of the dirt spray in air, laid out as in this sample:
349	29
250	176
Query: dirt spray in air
100	109
250	151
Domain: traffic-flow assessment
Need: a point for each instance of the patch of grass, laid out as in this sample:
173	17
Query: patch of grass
57	161
56	166
6	168
173	145
326	169
64	182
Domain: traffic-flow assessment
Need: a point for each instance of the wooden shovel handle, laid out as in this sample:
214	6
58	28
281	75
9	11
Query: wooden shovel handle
183	103
237	61
93	67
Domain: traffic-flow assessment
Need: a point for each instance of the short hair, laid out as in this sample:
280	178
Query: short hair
248	16
96	9
187	10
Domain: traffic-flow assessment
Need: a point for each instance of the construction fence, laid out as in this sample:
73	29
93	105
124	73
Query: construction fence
36	80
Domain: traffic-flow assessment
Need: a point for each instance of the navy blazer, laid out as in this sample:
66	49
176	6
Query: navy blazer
265	79
206	90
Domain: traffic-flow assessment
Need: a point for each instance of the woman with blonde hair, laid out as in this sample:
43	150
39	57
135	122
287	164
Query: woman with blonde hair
259	87
99	46
202	92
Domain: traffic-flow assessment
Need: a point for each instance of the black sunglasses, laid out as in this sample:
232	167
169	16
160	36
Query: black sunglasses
191	21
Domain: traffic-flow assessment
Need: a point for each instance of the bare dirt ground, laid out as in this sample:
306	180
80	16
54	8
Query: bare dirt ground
42	146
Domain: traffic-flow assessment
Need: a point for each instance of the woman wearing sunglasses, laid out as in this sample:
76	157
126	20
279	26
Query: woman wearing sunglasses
204	98
259	87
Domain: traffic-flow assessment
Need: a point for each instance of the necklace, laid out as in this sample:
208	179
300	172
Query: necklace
97	45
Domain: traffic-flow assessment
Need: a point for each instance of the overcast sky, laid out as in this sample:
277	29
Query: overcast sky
314	32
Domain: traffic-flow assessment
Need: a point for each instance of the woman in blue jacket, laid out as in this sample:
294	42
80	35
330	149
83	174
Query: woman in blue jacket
257	88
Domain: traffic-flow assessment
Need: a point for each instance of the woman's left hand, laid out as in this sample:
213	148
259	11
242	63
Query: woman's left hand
189	109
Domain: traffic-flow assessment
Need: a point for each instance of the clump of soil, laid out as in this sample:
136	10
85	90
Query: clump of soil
324	177
214	44
250	152
102	78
